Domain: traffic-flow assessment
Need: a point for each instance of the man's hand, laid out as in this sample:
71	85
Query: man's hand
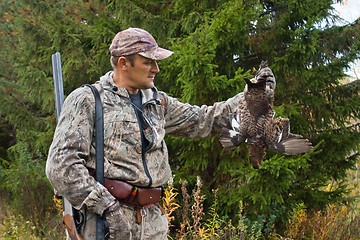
119	226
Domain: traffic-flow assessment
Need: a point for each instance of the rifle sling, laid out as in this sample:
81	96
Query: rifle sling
99	143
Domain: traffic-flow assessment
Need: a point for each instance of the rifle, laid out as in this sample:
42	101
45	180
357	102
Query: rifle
68	214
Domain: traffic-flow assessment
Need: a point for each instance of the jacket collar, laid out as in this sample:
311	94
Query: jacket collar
148	95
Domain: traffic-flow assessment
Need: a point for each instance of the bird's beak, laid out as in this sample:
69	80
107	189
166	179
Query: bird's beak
254	80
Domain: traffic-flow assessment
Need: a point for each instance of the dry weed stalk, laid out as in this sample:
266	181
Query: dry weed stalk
185	210
197	211
169	203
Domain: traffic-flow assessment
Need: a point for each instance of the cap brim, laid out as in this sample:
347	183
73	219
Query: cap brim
157	53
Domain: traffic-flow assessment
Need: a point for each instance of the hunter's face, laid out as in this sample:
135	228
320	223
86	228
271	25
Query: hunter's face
142	74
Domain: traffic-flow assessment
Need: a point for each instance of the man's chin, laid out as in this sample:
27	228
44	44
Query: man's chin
148	86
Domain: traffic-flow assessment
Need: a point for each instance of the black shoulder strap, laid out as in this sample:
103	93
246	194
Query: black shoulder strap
99	133
99	168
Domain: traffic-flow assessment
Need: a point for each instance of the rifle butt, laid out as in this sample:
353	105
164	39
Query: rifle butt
71	227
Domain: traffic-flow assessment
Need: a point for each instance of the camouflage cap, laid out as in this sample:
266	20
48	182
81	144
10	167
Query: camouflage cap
136	40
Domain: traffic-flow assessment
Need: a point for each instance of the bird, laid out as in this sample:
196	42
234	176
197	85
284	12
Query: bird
254	122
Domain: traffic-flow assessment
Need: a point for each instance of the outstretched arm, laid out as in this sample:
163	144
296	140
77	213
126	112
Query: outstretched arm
191	121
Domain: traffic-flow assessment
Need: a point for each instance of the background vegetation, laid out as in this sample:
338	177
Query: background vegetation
216	44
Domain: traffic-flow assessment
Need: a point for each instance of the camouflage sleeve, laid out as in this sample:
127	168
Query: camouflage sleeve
185	120
69	152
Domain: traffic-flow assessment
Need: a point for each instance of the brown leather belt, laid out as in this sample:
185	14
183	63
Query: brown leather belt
131	195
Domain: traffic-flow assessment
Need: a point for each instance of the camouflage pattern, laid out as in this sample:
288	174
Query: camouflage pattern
122	224
137	40
73	148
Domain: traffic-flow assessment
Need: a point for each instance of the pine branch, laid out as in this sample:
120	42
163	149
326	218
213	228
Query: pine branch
5	76
339	130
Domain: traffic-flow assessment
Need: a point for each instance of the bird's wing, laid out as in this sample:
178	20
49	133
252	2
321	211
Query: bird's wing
276	129
278	138
231	138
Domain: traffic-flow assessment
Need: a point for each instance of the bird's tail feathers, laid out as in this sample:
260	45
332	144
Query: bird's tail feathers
296	145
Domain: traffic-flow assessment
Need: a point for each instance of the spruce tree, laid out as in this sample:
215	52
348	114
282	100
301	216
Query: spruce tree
216	44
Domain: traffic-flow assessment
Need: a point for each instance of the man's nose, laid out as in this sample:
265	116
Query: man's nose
155	67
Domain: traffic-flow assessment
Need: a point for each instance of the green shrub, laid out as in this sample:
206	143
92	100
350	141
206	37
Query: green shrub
24	183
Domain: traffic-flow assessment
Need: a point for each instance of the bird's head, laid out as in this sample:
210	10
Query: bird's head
263	76
255	81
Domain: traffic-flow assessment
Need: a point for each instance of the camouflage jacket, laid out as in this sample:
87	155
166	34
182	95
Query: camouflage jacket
73	148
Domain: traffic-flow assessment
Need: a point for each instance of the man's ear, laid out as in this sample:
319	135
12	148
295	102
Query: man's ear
123	63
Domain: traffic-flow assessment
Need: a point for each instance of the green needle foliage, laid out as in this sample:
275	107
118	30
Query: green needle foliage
216	44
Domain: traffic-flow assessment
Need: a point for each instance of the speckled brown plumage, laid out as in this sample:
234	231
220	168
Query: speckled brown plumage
254	122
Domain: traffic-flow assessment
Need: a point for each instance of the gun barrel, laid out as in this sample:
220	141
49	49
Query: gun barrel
59	100
58	83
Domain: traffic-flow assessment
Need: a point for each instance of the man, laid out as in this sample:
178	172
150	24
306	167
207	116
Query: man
136	118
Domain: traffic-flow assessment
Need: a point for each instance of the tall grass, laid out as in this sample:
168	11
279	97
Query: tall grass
188	220
15	226
337	222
